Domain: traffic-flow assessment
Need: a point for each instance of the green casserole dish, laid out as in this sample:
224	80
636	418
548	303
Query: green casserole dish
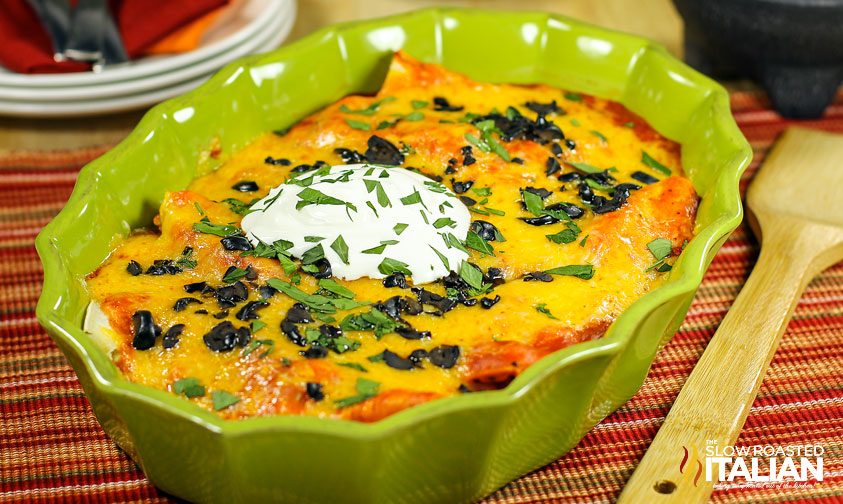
454	449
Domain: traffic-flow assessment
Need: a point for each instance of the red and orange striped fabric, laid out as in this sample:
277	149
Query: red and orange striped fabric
51	447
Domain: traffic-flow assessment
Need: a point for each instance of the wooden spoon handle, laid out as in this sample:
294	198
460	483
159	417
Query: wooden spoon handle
716	398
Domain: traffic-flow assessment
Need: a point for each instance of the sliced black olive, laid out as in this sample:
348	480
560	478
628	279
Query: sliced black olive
417	356
381	151
485	230
322	267
224	337
249	310
395	280
645	178
230	295
570	177
540	276
556	149
314	352
441	104
236	243
350	156
542	108
412	306
461	187
453	161
542	220
163	267
303	168
195	287
572	210
441	303
570	144
489	302
444	356
552	166
601	205
494	276
266	291
171	337
391	307
411	334
463	389
134	268
201	312
246	186
291	331
517	160
468	201
329	331
145	330
467	157
276	161
395	361
298	314
585	193
182	303
220	314
314	391
538	191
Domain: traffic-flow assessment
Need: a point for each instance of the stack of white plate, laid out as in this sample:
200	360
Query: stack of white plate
256	26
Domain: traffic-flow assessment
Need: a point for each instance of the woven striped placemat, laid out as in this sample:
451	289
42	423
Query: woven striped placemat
51	447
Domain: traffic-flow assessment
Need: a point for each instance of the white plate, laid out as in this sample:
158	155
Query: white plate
250	19
156	81
277	32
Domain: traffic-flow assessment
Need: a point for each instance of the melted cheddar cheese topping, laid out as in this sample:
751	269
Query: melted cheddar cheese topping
578	208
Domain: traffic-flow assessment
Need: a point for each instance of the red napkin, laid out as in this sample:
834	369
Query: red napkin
26	47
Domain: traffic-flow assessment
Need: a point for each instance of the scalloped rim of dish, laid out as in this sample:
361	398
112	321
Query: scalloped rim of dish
682	281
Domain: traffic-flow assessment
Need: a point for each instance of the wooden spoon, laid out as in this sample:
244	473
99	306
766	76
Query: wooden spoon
797	204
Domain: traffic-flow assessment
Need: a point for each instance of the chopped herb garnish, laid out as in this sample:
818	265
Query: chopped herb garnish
332	286
441	257
399	228
584	271
222	399
374	185
312	255
353	365
629	124
370	110
472	275
366	389
585	167
652	163
239	207
599	135
380	248
189	387
339	246
418	104
661	248
412	199
582	242
571	96
255	343
564	236
476	242
233	274
389	266
542	308
444	221
207	227
309	196
482	191
414	116
358	125
313	239
533	202
374	320
257	325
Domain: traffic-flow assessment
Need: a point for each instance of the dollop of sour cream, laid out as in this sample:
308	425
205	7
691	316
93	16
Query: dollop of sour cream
369	220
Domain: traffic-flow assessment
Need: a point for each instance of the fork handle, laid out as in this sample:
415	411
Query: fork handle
715	400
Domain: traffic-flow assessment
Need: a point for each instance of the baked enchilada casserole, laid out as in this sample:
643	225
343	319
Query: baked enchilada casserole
434	239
